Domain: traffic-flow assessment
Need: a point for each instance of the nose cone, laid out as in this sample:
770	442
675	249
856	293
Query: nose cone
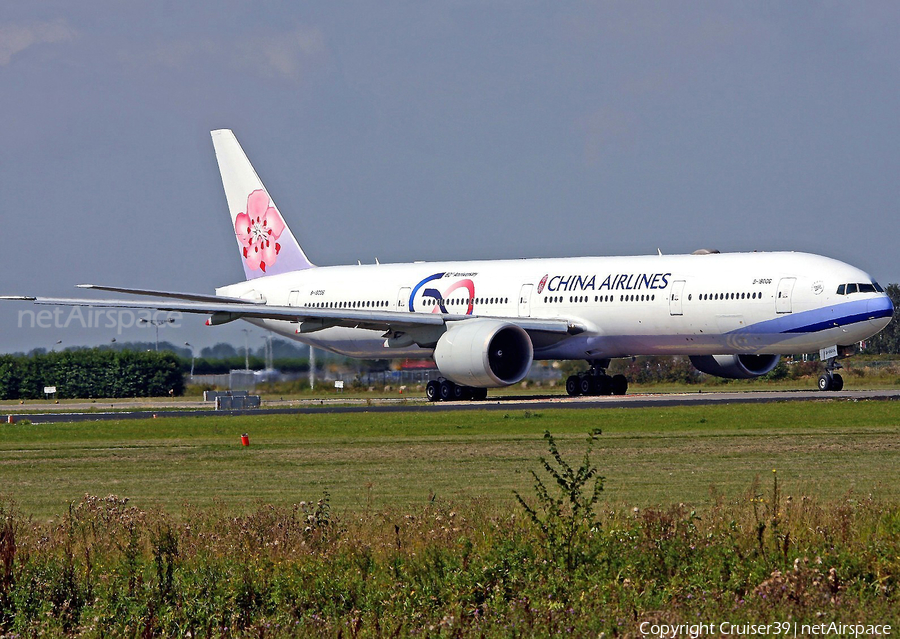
881	311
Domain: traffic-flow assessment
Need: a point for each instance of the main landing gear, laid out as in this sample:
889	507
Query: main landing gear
446	391
829	380
595	381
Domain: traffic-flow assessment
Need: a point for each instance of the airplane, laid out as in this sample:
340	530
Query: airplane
484	322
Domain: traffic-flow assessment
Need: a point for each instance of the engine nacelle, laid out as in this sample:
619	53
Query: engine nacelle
735	366
484	353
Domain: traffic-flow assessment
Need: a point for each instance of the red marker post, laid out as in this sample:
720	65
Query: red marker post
245	440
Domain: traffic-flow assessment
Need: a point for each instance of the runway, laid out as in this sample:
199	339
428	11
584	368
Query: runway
504	403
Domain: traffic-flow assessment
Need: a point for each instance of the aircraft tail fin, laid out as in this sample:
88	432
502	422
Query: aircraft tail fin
266	243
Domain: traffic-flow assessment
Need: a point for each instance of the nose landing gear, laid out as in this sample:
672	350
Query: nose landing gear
829	380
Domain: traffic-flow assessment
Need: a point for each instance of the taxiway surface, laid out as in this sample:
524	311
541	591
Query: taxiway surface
49	413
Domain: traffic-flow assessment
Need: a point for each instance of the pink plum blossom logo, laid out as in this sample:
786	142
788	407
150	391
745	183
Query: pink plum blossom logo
258	230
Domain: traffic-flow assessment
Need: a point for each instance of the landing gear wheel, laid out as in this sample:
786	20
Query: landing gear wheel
585	387
831	381
573	385
432	390
837	382
619	384
604	385
446	390
479	394
461	393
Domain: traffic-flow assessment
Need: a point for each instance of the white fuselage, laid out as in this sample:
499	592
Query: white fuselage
755	303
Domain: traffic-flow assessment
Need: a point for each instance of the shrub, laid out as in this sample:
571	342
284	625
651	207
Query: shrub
565	515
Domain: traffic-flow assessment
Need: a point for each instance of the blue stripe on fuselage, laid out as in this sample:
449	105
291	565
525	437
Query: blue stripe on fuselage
820	319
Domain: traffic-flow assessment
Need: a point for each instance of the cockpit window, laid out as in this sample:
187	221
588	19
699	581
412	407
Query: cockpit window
859	287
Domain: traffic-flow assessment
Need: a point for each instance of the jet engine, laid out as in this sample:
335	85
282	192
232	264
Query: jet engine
484	353
735	366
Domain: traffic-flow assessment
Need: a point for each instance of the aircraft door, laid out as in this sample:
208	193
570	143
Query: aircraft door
783	295
294	298
675	302
525	300
403	299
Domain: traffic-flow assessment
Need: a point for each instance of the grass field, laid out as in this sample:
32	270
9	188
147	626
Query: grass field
649	456
420	534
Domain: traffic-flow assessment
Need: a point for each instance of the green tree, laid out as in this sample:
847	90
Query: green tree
888	340
91	373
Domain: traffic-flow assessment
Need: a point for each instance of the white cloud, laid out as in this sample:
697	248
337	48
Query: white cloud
15	38
285	54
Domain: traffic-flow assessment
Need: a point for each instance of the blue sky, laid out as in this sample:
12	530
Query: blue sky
446	130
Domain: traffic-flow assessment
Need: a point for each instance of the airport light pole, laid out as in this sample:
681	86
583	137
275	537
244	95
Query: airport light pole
191	346
246	348
156	323
268	352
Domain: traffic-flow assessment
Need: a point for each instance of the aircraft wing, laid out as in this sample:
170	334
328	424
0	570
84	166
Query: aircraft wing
309	319
195	297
